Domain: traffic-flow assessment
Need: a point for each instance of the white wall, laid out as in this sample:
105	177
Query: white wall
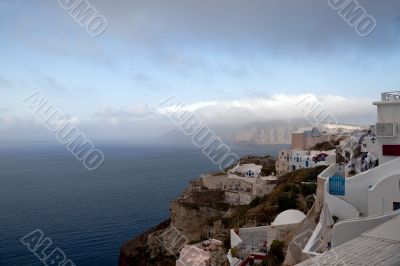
214	182
347	230
225	182
235	239
357	187
383	194
358	192
338	207
278	232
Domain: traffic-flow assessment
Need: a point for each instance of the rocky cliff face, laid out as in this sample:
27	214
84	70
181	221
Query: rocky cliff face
193	223
141	250
160	246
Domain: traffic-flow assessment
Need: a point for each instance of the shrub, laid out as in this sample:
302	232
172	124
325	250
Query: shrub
221	206
286	203
235	252
190	205
276	250
268	170
308	189
255	202
309	202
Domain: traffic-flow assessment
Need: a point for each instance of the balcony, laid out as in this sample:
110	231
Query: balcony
393	96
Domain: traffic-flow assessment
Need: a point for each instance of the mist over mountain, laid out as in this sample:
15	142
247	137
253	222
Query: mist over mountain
254	133
262	133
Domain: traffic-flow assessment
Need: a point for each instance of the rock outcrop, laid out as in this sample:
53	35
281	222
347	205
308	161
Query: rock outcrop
190	221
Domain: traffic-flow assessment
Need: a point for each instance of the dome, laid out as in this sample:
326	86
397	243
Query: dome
289	217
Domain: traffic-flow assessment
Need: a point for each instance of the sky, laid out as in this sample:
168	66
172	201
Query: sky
230	61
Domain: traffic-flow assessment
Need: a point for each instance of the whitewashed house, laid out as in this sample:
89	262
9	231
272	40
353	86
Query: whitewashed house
241	184
292	160
369	197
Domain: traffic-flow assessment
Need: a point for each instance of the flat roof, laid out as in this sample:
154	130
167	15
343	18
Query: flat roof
378	246
389	230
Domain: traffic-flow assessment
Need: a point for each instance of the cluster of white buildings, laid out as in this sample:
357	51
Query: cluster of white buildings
301	155
292	160
366	202
241	184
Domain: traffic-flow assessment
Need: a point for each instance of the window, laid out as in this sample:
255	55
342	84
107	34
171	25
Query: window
391	150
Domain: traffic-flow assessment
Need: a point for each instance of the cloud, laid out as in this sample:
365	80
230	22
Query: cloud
7	120
119	115
284	26
276	27
142	121
277	107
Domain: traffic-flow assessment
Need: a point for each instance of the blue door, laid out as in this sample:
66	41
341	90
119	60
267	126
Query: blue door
337	185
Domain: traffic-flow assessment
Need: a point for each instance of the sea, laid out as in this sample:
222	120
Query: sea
89	215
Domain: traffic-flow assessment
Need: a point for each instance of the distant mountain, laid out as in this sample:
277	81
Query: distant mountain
262	133
257	133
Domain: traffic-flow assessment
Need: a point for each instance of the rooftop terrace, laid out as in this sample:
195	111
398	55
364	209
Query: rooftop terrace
379	246
393	96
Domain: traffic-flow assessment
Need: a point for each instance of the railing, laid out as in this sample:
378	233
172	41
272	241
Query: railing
393	96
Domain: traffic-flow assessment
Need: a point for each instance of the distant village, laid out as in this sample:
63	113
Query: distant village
354	219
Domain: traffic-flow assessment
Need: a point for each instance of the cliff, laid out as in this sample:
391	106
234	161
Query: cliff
139	251
201	213
193	217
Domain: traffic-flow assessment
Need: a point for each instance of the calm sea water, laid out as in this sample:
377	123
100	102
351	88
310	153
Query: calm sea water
90	214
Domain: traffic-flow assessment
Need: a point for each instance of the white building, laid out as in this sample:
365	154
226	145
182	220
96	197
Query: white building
361	200
242	184
387	126
360	151
247	170
305	138
292	160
